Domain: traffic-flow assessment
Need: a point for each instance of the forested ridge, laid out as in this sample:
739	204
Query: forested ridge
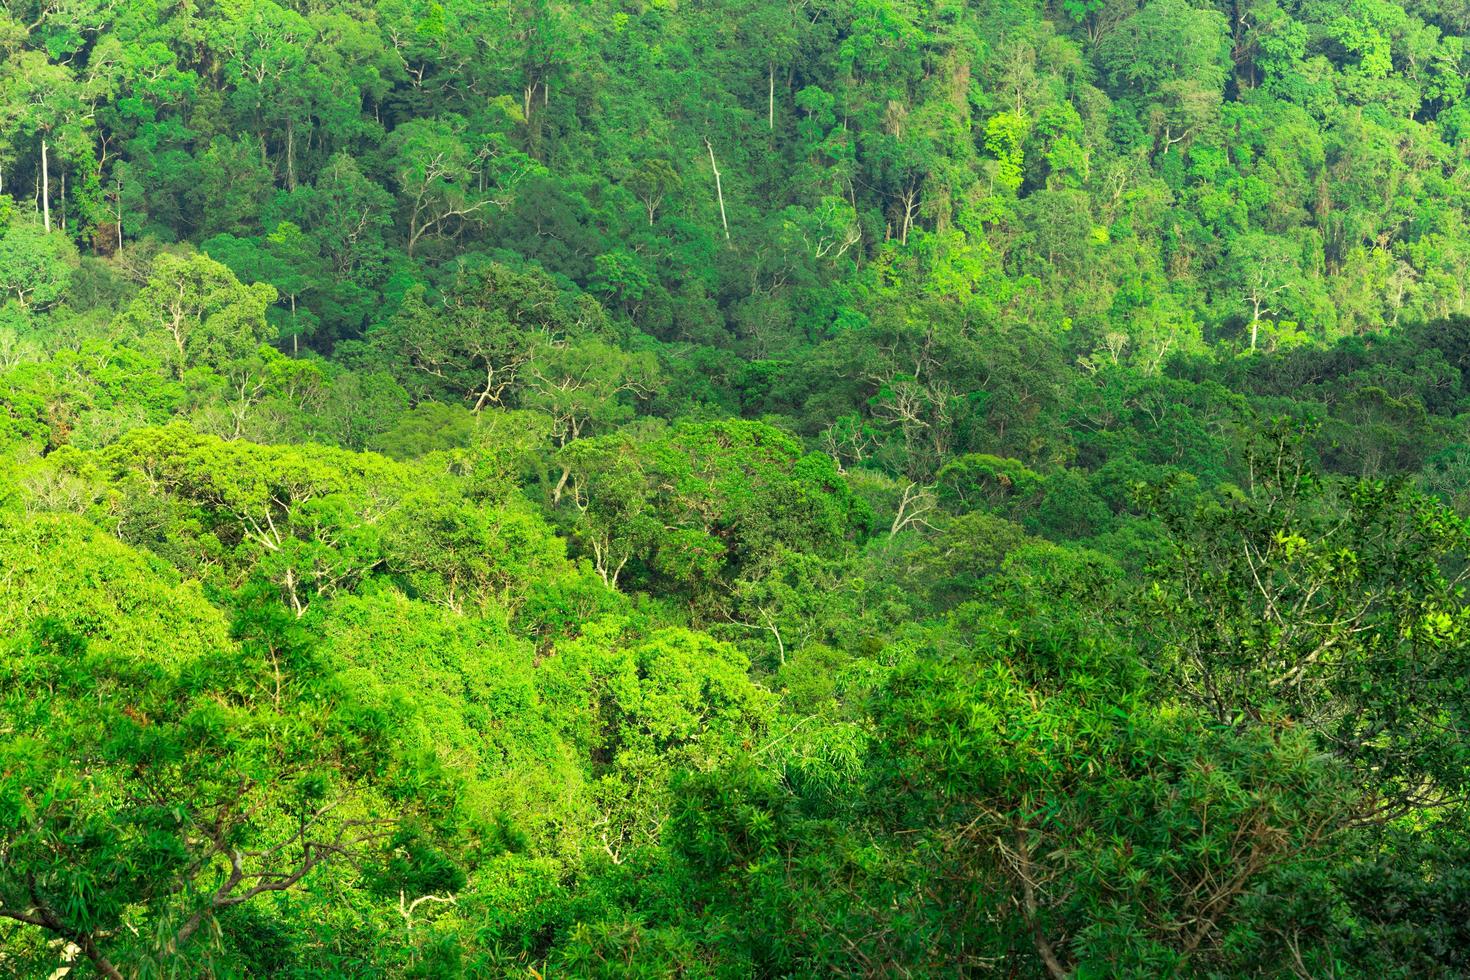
734	488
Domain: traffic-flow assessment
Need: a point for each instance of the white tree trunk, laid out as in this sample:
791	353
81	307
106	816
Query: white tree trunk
45	189
719	190
771	100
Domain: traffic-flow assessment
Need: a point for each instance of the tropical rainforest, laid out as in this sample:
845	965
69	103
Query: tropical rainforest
734	488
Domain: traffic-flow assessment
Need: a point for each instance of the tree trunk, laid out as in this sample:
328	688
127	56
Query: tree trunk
45	189
910	199
719	190
290	156
771	100
102	963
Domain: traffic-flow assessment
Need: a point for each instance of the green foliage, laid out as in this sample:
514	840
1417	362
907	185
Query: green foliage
1331	610
464	694
733	489
196	313
429	427
1099	831
168	772
706	503
35	268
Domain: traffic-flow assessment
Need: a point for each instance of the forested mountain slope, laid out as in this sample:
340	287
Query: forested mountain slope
728	489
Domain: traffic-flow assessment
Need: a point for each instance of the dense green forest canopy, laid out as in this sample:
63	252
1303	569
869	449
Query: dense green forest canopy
734	488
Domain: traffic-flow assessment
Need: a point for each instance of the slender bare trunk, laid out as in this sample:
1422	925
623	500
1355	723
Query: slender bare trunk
771	100
910	199
719	189
45	189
